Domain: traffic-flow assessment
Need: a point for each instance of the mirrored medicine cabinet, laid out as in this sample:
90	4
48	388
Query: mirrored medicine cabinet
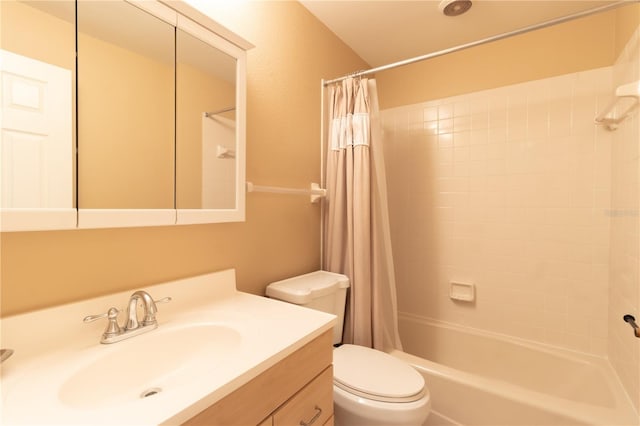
119	113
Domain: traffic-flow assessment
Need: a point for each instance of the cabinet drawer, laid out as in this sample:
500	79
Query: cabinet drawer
313	405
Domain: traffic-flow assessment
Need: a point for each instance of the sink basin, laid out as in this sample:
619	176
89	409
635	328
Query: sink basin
148	364
144	366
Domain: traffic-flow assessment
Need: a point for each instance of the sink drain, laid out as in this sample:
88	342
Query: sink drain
150	392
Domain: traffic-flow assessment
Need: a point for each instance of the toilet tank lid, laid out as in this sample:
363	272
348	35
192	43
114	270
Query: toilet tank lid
304	288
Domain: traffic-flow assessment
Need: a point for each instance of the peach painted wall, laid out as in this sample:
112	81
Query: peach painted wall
117	129
573	46
58	51
280	237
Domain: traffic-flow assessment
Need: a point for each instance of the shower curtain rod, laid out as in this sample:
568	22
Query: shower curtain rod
484	40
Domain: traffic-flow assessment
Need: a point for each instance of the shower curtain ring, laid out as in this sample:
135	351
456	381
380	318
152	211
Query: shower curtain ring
358	74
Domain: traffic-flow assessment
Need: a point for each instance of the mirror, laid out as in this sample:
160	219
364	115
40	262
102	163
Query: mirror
126	98
210	125
146	152
37	181
205	125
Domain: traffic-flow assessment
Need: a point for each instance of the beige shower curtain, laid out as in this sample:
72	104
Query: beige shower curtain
357	239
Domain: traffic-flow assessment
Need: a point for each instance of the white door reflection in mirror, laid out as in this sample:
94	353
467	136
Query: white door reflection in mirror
37	141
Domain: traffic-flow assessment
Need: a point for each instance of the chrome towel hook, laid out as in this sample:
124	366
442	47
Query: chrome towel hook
632	322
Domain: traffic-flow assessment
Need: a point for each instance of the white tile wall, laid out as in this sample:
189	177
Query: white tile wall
509	189
624	291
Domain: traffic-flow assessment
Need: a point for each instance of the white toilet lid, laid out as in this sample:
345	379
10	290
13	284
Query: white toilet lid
375	375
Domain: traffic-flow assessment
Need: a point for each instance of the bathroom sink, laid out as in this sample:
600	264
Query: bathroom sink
210	341
160	361
148	364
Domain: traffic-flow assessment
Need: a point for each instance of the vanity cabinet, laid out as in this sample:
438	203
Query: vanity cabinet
297	389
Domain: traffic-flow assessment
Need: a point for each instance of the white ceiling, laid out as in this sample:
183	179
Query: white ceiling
383	31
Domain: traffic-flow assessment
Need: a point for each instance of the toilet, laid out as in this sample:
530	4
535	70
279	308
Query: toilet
370	387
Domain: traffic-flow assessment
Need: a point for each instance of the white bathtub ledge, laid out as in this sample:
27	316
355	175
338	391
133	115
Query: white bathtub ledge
515	381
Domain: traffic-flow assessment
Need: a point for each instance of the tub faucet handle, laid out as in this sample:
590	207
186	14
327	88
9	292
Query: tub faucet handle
5	354
632	322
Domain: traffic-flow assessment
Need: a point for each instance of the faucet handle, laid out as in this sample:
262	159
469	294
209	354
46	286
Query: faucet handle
150	317
113	329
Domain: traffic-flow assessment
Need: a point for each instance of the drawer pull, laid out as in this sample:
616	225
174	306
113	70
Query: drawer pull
313	419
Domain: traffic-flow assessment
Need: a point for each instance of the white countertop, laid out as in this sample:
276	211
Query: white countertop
53	346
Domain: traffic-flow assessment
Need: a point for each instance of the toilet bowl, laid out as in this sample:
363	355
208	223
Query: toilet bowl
370	387
373	388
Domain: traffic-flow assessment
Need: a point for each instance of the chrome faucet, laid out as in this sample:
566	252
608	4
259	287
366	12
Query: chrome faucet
114	333
150	311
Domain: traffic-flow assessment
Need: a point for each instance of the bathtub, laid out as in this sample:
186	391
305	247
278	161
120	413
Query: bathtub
480	378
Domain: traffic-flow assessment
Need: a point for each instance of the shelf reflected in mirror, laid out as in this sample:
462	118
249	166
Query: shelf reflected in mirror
205	125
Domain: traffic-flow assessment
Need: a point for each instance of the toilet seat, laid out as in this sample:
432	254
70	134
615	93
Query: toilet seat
375	375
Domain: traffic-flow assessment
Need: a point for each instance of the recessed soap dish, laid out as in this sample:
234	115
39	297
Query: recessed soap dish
464	292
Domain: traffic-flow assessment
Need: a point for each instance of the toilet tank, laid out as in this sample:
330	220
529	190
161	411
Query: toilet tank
320	290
